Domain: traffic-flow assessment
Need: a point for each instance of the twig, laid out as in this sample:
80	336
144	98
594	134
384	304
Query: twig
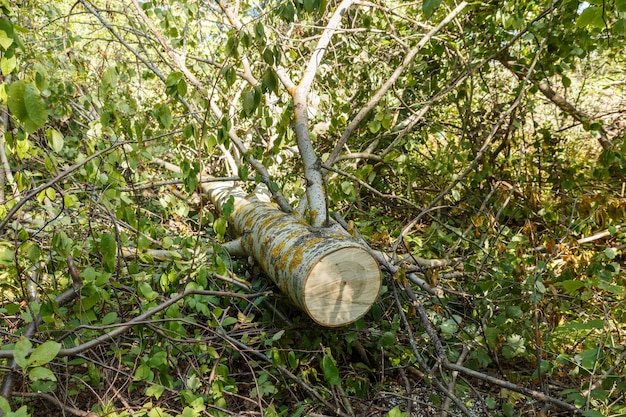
66	408
124	327
232	18
56	179
310	391
6	175
561	102
451	384
158	184
31	329
485	145
420	360
62	299
315	194
599	235
539	396
390	82
369	187
407	125
609	372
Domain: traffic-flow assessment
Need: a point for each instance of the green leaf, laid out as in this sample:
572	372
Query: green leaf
588	358
20	351
219	225
230	75
41	77
514	347
228	207
513	311
248	101
146	290
570	285
278	335
109	318
270	80
246	40
242	172
268	56
34	253
610	253
108	249
143	373
348	188
592	413
567	82
155	390
55	139
329	368
387	339
374	125
395	412
310	5
229	321
44	353
429	6
109	78
449	326
232	45
8	63
163	113
39	373
6	34
35	108
293	361
189	131
173	79
259	30
158	359
287	11
591	324
591	16
21	412
4	405
16	99
182	88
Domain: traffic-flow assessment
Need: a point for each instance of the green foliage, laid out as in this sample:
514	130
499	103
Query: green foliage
524	295
25	102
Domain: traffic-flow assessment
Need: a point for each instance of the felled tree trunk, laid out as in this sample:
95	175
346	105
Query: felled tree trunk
322	270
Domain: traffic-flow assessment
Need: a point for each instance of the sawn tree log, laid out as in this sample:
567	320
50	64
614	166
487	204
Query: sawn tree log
323	271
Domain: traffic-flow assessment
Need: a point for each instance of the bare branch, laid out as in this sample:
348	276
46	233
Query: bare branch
124	327
387	85
51	399
316	197
520	70
318	54
56	179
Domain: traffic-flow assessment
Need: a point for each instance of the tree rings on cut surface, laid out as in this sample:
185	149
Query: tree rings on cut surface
342	286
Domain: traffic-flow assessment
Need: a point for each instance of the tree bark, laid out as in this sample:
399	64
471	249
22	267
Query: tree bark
323	270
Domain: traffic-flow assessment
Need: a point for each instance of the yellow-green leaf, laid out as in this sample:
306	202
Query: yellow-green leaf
44	353
55	139
38	373
20	351
6	34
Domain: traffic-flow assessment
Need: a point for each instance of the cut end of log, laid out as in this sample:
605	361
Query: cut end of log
342	286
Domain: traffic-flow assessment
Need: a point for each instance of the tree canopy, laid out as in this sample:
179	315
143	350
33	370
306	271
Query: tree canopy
477	150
